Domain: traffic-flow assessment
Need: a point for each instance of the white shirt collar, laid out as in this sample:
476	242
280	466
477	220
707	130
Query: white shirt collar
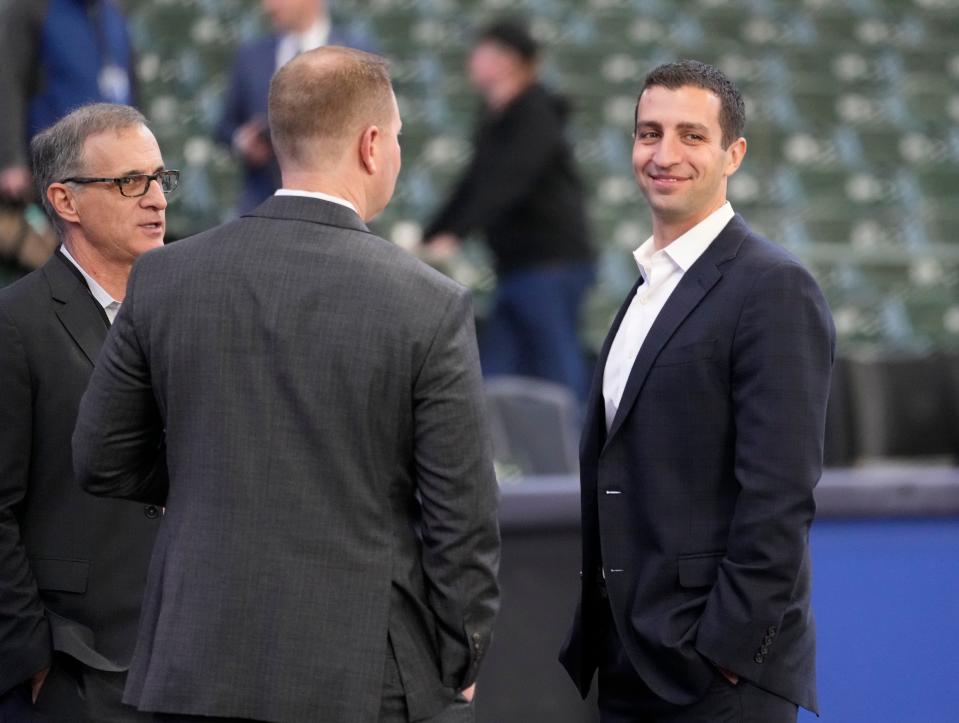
317	36
319	195
99	293
291	44
687	249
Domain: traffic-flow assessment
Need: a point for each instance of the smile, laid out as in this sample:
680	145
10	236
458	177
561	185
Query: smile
667	182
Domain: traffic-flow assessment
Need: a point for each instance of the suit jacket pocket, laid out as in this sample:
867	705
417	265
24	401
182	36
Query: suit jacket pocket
686	353
56	575
700	570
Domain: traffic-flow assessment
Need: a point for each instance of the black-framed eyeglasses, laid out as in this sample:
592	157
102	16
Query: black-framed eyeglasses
137	184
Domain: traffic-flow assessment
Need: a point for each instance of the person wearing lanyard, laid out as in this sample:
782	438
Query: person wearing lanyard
55	55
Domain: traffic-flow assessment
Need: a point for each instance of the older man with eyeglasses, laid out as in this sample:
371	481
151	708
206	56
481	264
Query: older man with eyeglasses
72	566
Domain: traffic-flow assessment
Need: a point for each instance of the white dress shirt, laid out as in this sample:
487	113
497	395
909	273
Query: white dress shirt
110	305
292	44
319	195
661	271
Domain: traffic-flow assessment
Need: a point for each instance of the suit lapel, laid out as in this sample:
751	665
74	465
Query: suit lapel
695	284
76	308
594	425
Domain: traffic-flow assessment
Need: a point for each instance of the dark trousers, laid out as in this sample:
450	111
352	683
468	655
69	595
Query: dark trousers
533	327
625	698
72	693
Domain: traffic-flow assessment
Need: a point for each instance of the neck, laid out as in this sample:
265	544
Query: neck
331	185
666	230
508	90
308	21
110	274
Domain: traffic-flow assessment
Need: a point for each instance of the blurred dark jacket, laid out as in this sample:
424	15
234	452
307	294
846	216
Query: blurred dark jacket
521	188
56	55
72	567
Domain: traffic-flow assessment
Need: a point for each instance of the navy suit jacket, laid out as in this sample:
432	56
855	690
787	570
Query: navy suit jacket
698	501
247	98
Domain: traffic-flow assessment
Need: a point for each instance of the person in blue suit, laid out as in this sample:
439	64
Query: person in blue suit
299	25
702	443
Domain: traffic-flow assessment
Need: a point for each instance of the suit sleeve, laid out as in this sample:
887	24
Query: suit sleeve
234	114
25	644
500	176
458	493
118	448
782	360
19	25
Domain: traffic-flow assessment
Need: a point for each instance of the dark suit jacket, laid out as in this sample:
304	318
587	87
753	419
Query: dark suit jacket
247	98
698	501
330	475
72	567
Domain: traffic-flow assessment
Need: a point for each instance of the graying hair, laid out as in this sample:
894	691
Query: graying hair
57	152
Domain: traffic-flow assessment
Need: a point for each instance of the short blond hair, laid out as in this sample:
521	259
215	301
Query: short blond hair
321	98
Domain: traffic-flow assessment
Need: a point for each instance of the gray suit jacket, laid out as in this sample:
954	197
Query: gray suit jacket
330	476
72	568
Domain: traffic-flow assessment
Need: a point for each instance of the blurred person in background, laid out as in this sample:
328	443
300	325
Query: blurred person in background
298	25
72	567
330	546
522	191
55	55
702	444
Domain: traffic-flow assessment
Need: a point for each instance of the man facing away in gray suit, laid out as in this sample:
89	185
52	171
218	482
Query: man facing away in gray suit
330	545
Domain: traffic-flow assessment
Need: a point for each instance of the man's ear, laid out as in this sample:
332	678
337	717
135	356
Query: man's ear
737	152
63	201
368	154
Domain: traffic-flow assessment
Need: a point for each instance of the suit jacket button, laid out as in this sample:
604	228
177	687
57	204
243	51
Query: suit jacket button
758	657
151	512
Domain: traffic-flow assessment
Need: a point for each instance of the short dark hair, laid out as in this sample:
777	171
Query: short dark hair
732	112
57	152
513	34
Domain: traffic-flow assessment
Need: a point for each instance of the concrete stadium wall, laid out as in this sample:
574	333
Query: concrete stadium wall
886	594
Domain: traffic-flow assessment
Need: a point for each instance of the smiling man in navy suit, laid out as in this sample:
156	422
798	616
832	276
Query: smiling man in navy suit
299	25
703	443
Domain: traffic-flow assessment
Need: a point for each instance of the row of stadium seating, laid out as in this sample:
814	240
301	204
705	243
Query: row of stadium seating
853	126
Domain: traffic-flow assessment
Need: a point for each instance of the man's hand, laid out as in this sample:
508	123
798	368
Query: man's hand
252	142
16	182
469	693
36	683
729	675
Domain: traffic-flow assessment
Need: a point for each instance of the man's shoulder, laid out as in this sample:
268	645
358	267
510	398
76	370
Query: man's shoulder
761	253
390	264
258	47
398	266
23	294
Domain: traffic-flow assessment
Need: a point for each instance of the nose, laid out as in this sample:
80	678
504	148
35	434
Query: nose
154	197
668	151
